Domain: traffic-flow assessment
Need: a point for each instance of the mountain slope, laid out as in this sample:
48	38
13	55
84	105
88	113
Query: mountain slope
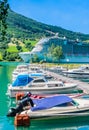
23	27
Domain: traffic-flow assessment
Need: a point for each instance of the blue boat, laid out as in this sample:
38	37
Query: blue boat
58	106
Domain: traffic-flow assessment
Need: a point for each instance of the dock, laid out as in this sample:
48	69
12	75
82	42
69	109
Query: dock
81	85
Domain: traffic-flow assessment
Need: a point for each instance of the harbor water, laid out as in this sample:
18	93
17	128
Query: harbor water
6	69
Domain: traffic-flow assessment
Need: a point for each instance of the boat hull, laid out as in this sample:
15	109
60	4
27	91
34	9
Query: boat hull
61	116
73	112
78	108
41	90
77	75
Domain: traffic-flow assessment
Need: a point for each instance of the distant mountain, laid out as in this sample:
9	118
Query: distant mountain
22	27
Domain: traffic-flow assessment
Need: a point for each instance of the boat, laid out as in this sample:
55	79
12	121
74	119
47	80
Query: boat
81	72
31	69
24	83
74	51
59	106
57	69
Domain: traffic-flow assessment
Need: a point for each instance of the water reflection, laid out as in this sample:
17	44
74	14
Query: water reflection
55	125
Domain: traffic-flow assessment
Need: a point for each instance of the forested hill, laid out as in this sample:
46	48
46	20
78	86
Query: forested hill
23	27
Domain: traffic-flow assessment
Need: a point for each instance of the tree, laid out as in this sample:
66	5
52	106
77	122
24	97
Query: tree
55	52
19	48
51	48
29	46
4	6
35	58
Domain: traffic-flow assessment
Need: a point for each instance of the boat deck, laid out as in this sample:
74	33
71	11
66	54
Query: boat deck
81	85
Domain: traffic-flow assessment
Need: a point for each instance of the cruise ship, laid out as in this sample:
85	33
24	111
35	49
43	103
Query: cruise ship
74	51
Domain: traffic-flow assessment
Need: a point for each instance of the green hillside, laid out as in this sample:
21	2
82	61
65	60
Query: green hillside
22	27
23	33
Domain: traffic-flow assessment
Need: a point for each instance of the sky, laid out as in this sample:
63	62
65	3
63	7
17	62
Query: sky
69	14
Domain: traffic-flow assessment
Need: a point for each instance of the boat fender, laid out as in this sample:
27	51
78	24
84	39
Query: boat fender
19	96
22	120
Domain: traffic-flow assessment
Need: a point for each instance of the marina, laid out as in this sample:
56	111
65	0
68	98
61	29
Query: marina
8	102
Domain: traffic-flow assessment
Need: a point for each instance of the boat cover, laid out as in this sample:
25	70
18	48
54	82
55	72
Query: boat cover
50	102
22	80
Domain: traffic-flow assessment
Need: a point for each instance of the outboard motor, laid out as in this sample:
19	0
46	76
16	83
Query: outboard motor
27	95
23	103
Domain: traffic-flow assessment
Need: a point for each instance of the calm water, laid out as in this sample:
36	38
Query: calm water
8	123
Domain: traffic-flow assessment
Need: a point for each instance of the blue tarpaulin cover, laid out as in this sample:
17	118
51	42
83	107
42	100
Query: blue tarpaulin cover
50	102
22	80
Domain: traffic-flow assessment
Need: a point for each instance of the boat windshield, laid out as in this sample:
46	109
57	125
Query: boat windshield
74	103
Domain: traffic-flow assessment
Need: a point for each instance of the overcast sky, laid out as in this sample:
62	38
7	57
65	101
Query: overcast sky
69	14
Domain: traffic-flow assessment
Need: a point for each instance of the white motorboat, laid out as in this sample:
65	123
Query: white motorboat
57	69
25	84
81	72
59	106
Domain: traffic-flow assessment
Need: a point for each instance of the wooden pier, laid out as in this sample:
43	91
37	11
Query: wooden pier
81	85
